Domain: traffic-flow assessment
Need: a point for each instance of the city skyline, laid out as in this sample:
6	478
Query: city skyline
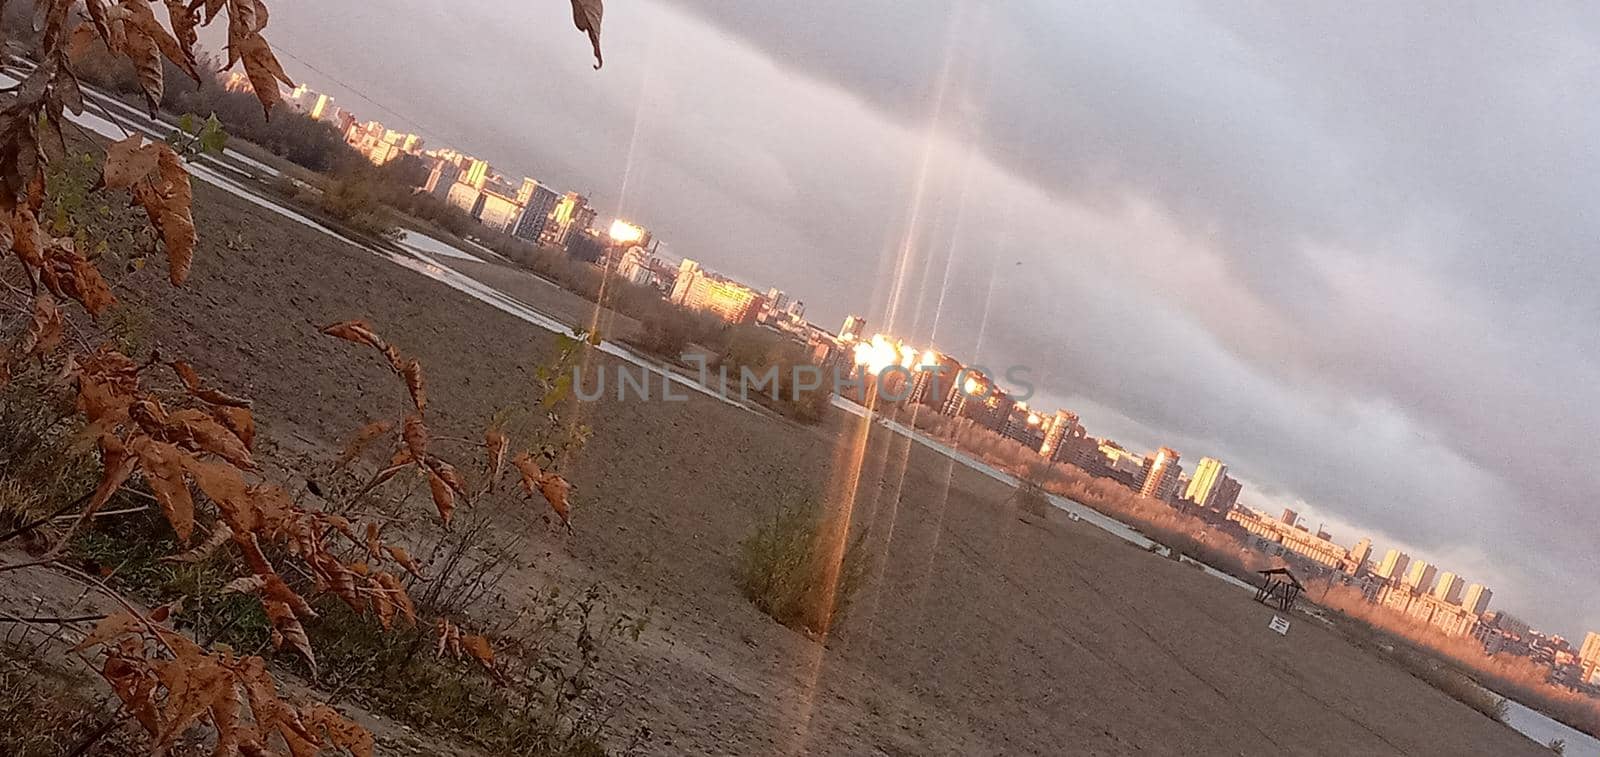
1117	298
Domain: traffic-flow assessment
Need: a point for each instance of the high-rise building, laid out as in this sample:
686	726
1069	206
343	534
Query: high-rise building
1289	516
1206	482
1419	577
1477	599
933	382
1359	555
697	289
571	213
535	213
1589	654
853	329
1227	494
1449	587
1061	437
1393	567
1161	472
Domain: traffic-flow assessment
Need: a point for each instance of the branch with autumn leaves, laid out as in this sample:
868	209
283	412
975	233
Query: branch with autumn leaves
197	447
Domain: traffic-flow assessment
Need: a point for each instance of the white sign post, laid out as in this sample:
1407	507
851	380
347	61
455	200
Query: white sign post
1279	624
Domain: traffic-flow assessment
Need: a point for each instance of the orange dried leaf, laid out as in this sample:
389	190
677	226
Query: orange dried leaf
443	498
356	331
108	628
496	443
238	420
118	465
359	442
341	732
167	199
286	629
412	373
398	595
263	69
163	471
555	490
373	545
403	559
416	438
26	238
203	433
530	471
129	161
201	551
131	678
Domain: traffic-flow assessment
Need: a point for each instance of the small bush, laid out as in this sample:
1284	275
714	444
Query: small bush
784	568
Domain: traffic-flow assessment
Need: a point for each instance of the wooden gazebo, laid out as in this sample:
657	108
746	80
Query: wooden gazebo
1279	587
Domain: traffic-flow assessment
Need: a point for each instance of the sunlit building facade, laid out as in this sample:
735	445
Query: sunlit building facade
698	289
1449	587
1419	577
1393	567
1161	472
1477	599
1206	482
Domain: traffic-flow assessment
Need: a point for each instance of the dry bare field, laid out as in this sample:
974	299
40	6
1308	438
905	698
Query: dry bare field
980	630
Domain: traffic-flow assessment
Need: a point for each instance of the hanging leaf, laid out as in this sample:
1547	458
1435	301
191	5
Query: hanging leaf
443	499
412	373
167	199
586	16
359	442
496	443
162	464
129	161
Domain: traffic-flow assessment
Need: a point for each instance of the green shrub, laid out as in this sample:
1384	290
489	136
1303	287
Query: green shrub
786	565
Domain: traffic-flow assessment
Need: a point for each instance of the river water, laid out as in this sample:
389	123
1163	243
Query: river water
420	252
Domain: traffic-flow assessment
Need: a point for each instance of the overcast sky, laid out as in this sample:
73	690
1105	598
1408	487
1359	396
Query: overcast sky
1346	248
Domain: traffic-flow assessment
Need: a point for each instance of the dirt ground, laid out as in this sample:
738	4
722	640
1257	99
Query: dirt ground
980	631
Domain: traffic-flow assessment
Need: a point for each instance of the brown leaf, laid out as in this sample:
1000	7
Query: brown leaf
286	629
145	53
45	328
27	240
443	498
204	433
586	15
167	200
416	438
496	443
555	490
263	69
118	465
450	475
108	628
135	684
373	545
224	486
398	595
144	19
359	442
403	559
342	732
412	373
163	471
129	161
238	420
88	287
219	535
382	604
529	470
356	331
479	649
